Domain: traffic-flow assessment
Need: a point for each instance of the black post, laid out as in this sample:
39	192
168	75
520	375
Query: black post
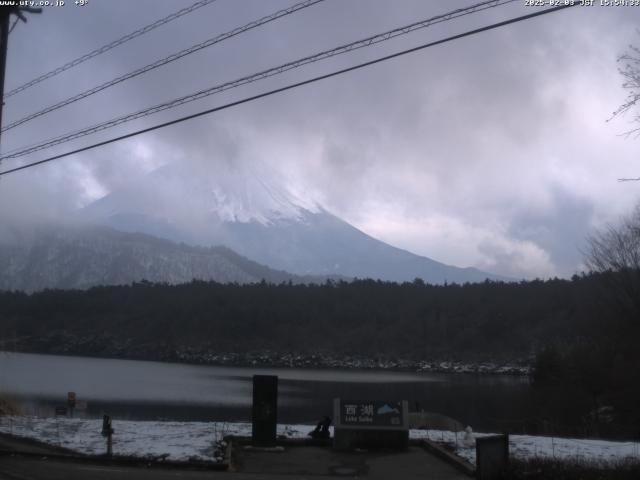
71	402
265	410
110	444
107	431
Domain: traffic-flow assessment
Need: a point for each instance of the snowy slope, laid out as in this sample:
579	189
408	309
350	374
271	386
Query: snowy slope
82	257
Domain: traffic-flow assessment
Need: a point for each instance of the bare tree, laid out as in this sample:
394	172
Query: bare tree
629	68
615	253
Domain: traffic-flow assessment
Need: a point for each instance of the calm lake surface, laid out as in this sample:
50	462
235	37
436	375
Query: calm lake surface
131	389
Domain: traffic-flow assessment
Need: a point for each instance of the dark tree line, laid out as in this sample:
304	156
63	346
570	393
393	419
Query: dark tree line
410	320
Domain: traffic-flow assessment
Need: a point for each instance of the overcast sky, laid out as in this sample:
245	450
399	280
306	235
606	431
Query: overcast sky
492	151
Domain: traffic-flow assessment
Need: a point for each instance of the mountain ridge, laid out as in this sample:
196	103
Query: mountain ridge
258	217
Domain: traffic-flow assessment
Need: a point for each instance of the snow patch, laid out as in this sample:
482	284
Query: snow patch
529	446
184	441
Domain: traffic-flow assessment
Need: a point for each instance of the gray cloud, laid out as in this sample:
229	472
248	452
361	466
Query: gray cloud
560	231
489	151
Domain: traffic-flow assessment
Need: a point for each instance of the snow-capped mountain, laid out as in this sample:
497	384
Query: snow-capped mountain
255	215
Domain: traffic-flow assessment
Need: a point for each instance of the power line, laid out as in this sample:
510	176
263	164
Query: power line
292	86
366	42
109	46
14	24
163	61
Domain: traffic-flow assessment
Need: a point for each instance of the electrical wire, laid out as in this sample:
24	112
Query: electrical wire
294	85
14	24
164	61
366	42
109	46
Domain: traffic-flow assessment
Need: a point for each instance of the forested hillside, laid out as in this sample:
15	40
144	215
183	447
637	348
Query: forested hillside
79	257
371	318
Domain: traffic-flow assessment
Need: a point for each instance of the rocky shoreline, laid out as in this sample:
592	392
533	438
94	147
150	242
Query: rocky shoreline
107	346
327	360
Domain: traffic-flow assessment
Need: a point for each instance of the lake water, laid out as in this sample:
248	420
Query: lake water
130	389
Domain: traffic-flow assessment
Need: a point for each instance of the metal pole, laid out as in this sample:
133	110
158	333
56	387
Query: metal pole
110	444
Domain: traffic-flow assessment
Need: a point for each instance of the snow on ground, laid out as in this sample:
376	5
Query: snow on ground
182	441
179	441
529	446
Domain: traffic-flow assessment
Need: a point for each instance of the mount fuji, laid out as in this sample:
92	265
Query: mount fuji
253	214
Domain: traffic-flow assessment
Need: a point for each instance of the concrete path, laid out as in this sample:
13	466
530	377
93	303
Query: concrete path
300	462
413	464
307	462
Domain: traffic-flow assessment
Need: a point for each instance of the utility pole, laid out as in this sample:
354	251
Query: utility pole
4	39
5	18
